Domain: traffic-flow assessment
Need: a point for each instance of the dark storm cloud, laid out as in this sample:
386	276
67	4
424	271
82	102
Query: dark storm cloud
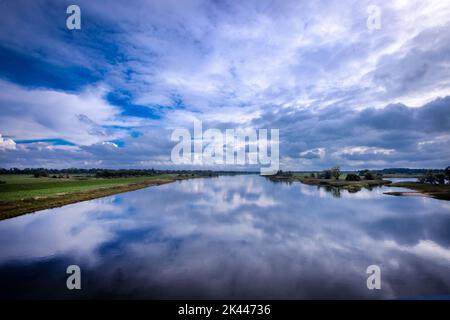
396	134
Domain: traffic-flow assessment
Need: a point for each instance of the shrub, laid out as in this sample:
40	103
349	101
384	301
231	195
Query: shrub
369	176
41	173
352	177
440	178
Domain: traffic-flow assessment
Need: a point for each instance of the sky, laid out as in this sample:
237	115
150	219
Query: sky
110	94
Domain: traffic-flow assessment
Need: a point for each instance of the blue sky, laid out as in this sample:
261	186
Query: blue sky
110	94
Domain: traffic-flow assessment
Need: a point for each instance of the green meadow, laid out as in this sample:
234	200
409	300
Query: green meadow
19	187
20	194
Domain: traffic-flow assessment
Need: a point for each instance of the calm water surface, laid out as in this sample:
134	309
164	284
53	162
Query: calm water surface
231	237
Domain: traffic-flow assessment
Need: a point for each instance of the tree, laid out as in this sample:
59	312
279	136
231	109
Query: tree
440	178
312	175
352	177
335	172
447	174
326	174
430	178
362	173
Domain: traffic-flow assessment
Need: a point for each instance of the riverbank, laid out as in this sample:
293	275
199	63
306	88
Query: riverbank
25	194
441	192
352	186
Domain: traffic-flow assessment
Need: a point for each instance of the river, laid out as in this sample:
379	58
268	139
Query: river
234	237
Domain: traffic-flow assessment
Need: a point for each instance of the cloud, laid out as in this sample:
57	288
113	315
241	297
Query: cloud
311	69
396	135
7	144
313	153
210	54
309	140
47	114
364	150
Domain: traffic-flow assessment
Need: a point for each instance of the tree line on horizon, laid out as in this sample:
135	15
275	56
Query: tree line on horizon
428	176
106	173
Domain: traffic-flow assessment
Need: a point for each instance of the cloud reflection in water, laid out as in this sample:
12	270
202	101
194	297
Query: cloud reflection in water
231	237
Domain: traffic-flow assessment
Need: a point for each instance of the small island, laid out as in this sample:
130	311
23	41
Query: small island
434	184
333	178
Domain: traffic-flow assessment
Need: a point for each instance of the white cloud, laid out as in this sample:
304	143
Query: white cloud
425	248
29	114
7	144
362	150
313	153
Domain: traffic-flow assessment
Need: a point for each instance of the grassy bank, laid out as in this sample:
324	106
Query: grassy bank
441	192
341	183
24	193
348	185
